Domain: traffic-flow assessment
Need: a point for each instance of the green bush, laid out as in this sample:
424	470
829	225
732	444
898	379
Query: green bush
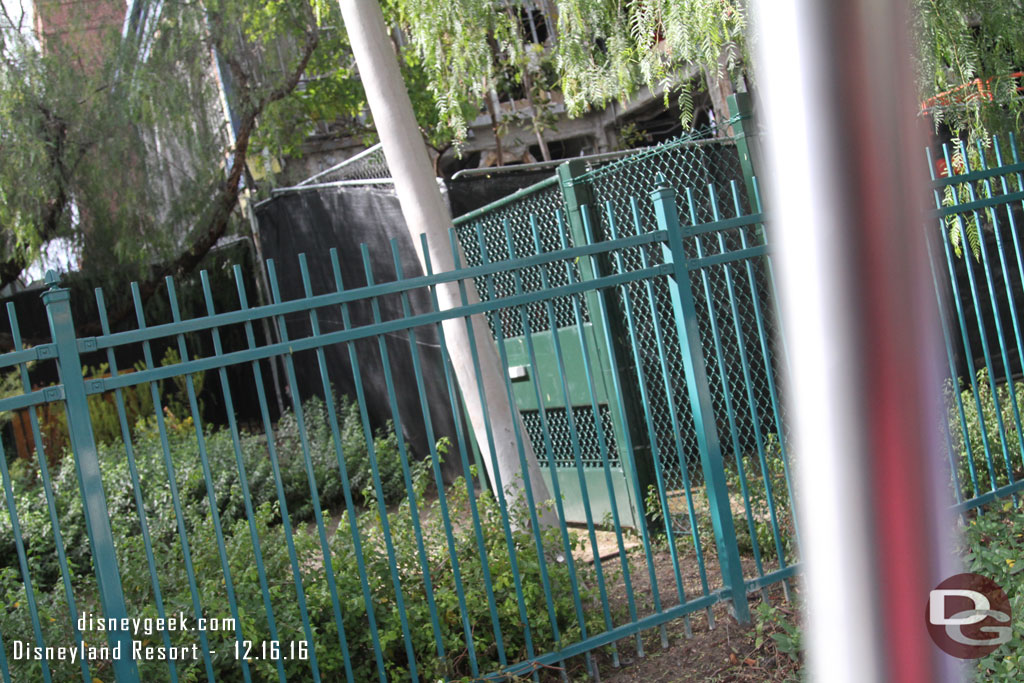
274	546
983	427
994	547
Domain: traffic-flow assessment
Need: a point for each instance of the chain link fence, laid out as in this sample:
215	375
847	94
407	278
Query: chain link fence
708	177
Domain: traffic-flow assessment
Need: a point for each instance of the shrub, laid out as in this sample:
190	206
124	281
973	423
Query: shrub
994	547
274	547
982	426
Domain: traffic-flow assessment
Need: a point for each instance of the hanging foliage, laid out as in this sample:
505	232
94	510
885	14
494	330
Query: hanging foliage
603	50
970	64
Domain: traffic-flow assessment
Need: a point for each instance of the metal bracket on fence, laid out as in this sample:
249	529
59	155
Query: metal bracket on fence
46	351
51	394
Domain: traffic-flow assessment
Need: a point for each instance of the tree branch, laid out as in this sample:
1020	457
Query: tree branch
226	198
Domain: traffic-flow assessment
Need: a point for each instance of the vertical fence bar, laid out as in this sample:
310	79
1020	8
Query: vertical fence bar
286	524
741	346
133	472
346	486
577	456
172	481
314	494
243	480
965	337
5	671
954	386
506	514
634	457
602	441
730	409
403	456
766	356
435	461
357	379
204	461
19	544
461	436
982	334
524	318
700	402
90	482
997	319
666	516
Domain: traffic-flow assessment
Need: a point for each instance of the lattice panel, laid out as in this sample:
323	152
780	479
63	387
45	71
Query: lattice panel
486	235
561	436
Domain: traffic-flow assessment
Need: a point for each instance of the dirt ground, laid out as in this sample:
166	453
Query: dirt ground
695	652
725	653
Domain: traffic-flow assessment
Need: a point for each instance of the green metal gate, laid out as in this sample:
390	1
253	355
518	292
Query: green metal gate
587	200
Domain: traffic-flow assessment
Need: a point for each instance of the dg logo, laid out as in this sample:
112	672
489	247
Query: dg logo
968	616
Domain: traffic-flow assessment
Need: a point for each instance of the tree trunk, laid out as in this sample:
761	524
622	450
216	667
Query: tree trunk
492	110
719	88
426	213
545	153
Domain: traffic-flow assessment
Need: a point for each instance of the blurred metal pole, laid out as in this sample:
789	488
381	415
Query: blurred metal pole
846	189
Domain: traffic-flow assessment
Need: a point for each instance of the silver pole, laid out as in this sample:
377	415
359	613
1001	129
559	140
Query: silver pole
846	184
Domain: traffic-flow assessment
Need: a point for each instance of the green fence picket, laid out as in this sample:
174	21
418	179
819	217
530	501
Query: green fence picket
243	479
268	431
133	472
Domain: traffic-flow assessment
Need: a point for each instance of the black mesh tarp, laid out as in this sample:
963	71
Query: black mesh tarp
315	221
469	193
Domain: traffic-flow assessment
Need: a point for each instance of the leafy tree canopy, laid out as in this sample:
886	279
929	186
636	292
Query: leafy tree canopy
130	159
968	52
602	50
120	146
606	49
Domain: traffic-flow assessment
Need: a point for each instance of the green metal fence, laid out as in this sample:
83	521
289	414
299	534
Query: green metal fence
604	192
977	263
313	548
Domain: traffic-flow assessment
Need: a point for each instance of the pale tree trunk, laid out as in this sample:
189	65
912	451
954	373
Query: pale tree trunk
492	110
545	153
719	88
425	213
